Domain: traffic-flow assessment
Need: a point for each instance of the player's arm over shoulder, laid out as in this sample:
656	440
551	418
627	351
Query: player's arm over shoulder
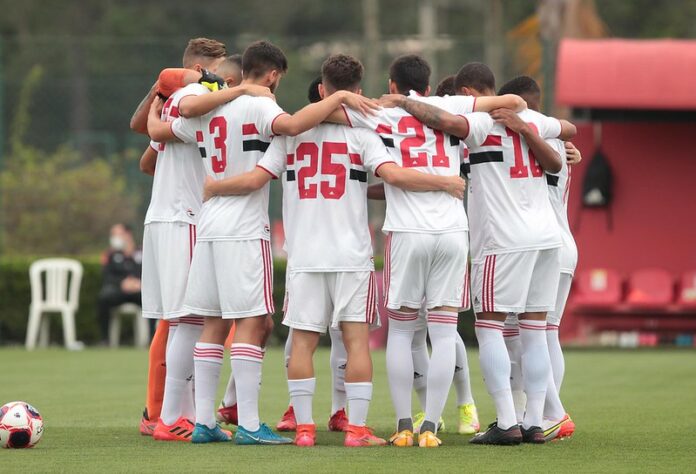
506	101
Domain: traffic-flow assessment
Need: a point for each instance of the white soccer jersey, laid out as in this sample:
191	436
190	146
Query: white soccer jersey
233	138
178	183
508	203
559	187
413	145
325	196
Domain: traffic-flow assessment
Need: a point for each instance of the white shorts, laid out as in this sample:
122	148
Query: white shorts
518	282
564	283
426	267
317	300
231	279
167	252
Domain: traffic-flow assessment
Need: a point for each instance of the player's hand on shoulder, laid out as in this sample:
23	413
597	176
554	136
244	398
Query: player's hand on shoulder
391	100
573	155
455	186
509	119
156	106
208	188
360	103
256	90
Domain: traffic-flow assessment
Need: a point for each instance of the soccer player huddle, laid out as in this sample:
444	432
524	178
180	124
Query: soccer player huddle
219	138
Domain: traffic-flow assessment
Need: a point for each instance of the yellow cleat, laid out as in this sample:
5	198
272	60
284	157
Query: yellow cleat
468	419
428	440
402	439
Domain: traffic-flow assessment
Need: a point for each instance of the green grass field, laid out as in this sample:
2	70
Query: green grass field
635	411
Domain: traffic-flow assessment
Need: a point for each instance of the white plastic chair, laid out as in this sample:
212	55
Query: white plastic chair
55	288
141	328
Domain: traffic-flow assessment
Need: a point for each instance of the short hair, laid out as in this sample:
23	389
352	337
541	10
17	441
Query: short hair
235	59
520	85
313	91
475	75
410	72
203	49
446	87
261	57
341	72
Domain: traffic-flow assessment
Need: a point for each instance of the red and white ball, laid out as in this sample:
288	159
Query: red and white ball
21	425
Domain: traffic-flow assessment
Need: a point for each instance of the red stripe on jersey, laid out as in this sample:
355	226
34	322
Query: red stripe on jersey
345	112
533	127
274	120
290	159
249	129
199	136
383	128
493	140
355	159
174	111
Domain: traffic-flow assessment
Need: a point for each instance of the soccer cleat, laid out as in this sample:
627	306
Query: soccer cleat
287	422
306	435
497	436
338	421
227	414
147	427
203	434
361	436
559	429
402	439
264	435
420	418
533	435
181	430
468	419
428	439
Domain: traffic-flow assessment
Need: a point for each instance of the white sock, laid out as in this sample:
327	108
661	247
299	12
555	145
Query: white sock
338	360
511	333
301	395
462	379
495	367
553	407
536	369
246	361
179	370
230	397
399	364
288	348
207	359
173	324
358	396
188	399
421	360
442	329
556	355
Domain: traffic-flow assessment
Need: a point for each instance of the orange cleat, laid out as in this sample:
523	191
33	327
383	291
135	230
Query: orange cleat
181	430
338	421
227	414
306	435
361	436
287	422
147	427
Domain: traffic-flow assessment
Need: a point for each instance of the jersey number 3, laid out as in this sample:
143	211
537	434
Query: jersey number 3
218	129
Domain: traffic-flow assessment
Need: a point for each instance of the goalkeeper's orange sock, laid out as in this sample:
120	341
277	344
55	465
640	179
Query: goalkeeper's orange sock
157	371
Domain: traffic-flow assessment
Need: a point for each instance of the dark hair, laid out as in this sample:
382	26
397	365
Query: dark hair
520	85
261	57
446	87
341	72
410	72
235	59
203	49
313	91
475	75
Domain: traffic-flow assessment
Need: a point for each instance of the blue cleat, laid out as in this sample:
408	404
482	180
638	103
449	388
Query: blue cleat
264	435
203	434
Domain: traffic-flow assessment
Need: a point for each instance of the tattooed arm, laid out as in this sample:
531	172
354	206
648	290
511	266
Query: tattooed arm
432	116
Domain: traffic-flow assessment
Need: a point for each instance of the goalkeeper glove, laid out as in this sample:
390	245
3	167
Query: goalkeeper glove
212	81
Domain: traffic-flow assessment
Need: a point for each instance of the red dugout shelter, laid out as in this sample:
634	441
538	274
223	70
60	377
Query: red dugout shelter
636	101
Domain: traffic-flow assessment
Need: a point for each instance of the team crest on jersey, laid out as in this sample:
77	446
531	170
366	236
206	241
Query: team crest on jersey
190	213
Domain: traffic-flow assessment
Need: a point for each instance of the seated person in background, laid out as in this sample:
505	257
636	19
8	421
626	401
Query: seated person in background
121	266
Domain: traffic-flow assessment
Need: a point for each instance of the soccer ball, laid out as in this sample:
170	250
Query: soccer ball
21	425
